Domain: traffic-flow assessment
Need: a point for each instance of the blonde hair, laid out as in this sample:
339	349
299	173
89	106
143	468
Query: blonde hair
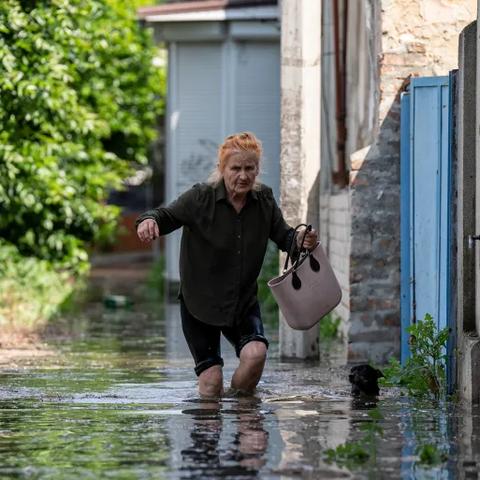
238	143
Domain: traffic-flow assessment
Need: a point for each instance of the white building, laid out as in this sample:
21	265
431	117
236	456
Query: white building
223	77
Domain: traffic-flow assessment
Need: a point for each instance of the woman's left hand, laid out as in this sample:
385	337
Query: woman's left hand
310	239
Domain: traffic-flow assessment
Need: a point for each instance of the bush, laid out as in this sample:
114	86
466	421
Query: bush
31	290
80	96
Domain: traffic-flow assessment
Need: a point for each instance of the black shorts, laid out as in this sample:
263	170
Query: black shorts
204	340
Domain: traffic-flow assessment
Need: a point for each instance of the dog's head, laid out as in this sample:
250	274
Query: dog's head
364	380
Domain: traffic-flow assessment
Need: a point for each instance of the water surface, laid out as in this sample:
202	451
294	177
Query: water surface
119	400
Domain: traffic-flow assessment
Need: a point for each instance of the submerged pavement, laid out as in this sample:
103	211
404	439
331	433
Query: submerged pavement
120	401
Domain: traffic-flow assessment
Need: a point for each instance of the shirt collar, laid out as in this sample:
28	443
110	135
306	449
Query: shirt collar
221	192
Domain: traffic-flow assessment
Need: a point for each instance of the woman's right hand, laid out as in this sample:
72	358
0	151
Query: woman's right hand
148	230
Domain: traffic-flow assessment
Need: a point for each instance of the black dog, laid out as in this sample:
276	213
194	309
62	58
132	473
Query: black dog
364	380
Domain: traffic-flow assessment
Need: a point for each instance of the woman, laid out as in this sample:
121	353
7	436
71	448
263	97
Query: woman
226	226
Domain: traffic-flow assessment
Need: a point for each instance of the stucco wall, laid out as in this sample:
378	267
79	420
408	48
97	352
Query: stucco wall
300	138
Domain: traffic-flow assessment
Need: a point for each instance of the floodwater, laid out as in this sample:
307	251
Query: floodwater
119	401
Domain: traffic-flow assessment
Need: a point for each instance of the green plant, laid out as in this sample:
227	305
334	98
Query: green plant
329	327
269	270
356	453
349	454
424	371
431	455
155	285
80	96
31	290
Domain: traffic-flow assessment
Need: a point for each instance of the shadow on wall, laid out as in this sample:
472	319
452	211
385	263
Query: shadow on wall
363	238
375	244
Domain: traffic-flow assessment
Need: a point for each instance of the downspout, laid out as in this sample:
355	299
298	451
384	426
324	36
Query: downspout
339	177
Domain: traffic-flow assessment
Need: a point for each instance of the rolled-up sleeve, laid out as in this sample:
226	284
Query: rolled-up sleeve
178	213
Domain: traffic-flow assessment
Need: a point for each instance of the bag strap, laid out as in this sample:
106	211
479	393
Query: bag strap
289	254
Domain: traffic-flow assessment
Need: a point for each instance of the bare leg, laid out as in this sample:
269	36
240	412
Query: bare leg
252	360
210	382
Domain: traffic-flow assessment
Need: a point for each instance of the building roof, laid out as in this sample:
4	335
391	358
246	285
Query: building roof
210	10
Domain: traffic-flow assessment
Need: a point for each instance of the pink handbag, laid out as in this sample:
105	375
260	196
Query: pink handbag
308	290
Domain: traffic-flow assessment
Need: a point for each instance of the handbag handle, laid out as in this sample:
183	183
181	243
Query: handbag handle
289	254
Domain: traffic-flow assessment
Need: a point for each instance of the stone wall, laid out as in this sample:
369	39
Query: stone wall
359	224
418	37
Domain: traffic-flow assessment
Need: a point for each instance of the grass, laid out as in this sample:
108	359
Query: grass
32	291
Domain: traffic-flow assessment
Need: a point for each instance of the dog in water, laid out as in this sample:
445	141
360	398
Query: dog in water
364	380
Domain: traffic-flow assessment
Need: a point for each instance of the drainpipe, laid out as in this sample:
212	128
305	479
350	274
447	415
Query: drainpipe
339	176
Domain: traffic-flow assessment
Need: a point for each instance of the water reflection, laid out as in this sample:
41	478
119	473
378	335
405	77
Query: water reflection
242	453
468	435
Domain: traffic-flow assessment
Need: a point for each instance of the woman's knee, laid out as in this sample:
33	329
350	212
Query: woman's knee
211	381
254	352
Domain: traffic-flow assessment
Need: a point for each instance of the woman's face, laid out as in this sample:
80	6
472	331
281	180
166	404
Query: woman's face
240	173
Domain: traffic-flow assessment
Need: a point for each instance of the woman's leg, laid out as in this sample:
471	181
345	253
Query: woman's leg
249	371
204	343
210	382
250	344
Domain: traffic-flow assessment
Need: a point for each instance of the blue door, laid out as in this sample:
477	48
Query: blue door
425	203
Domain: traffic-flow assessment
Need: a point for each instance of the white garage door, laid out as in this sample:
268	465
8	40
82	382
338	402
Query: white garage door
215	89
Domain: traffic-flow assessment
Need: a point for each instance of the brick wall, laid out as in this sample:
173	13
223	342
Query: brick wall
335	237
418	37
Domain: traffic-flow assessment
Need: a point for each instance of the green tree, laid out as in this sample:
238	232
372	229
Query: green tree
146	3
79	98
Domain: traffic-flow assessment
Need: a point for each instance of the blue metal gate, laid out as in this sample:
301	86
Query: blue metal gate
425	203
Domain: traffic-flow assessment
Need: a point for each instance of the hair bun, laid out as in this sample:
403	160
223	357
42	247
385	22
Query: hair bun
237	143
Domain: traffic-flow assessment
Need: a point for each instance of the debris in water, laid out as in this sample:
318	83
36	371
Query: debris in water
117	301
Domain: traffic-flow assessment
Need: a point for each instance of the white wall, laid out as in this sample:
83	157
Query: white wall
216	88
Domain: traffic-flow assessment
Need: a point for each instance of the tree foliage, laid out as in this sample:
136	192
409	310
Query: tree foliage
79	97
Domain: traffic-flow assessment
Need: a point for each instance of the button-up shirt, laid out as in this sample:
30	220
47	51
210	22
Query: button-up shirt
222	251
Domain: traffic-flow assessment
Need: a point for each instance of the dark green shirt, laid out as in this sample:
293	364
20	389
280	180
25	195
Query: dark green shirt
222	251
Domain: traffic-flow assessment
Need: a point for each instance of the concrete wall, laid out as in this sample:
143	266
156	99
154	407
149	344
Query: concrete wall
334	203
465	174
300	137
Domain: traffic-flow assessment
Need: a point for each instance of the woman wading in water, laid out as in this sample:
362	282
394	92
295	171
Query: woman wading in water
226	226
